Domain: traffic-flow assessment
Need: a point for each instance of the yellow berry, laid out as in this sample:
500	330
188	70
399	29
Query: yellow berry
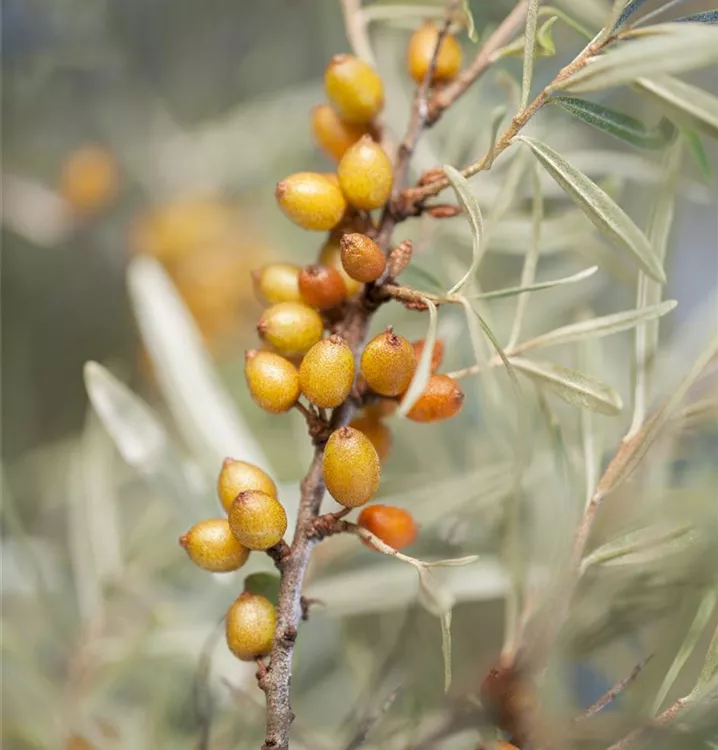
377	432
277	282
292	328
273	381
311	200
250	624
89	178
421	51
354	88
322	287
366	175
442	398
362	258
239	476
257	519
388	363
326	374
394	526
330	255
333	134
212	545
351	467
436	356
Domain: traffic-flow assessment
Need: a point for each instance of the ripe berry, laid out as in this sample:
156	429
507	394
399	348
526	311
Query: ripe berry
394	526
441	399
89	179
322	287
326	374
250	624
351	467
211	545
354	89
436	356
292	328
388	363
277	282
366	175
273	381
330	255
311	200
377	432
333	134
421	50
257	519
238	476
362	258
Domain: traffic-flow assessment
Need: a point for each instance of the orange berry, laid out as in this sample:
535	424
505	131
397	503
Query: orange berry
249	626
89	179
239	476
366	175
322	287
333	134
436	356
377	432
330	255
273	381
354	88
351	467
388	363
277	282
311	200
257	520
326	374
211	545
421	51
394	526
442	398
292	328
362	258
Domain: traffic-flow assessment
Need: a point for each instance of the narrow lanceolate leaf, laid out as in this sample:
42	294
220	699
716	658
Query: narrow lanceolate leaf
513	291
708	16
529	50
596	327
471	208
437	600
667	48
544	38
700	157
628	11
617	124
423	367
599	207
686	102
710	665
470	25
576	388
550	10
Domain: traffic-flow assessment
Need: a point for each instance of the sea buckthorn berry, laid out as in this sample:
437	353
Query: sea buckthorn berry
326	374
89	178
250	624
212	545
351	467
333	134
362	258
421	51
441	399
292	328
436	356
273	381
311	200
239	476
354	88
322	287
257	519
366	175
277	282
330	255
377	432
388	363
394	526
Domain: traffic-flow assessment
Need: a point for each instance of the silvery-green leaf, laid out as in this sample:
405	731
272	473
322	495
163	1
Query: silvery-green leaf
631	8
598	207
544	38
698	152
436	599
576	388
550	10
470	25
707	16
529	50
423	367
516	290
710	665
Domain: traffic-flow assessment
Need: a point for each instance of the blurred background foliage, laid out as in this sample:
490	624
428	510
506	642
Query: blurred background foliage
156	129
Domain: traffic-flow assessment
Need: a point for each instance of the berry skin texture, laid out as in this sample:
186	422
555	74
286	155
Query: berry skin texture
394	526
211	545
239	476
354	89
89	179
258	520
250	624
351	467
330	255
388	363
442	399
366	175
421	50
291	328
326	374
362	258
277	282
333	134
322	287
273	381
436	356
377	432
311	200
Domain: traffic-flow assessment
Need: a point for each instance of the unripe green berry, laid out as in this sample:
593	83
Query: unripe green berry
330	255
257	520
351	467
322	287
421	51
292	328
311	200
211	545
362	258
273	381
326	374
250	625
239	476
388	363
354	88
442	399
277	282
366	175
333	134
